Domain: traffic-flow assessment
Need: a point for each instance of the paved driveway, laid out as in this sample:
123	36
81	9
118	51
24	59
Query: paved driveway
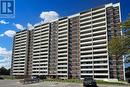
15	83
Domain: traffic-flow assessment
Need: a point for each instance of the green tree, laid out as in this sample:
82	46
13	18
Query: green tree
126	32
126	24
4	71
119	45
8	72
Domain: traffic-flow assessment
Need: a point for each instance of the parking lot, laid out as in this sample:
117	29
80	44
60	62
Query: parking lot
16	83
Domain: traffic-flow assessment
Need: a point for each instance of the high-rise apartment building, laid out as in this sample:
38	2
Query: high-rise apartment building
71	47
20	53
40	50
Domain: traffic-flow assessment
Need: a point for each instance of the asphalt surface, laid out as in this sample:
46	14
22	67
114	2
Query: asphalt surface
16	83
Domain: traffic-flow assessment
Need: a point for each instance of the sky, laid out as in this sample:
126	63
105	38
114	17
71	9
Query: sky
29	13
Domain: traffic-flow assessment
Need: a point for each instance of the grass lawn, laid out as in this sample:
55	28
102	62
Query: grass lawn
113	83
9	78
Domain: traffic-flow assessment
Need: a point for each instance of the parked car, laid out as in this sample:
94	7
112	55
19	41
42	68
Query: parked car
35	78
128	80
89	82
1	78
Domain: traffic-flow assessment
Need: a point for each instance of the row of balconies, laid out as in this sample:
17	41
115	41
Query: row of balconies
41	27
89	69
21	41
62	33
83	17
21	38
90	55
62	21
62	25
21	33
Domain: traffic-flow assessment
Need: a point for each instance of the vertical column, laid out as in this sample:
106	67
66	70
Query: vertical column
74	48
53	50
63	48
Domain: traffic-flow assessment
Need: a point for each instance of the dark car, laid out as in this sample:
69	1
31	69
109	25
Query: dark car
28	80
35	78
128	80
1	78
89	82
